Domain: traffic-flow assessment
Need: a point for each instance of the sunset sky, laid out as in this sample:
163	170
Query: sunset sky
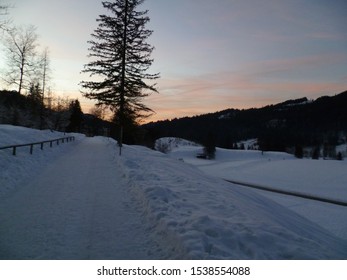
212	55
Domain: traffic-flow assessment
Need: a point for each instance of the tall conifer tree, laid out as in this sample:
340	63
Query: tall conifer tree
120	60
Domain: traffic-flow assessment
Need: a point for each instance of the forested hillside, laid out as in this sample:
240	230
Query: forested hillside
296	126
279	127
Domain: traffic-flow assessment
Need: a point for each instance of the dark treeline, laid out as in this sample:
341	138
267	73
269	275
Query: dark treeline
60	114
56	113
32	111
280	127
289	126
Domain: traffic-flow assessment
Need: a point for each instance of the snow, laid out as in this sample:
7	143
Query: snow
23	166
16	135
342	149
166	144
325	178
251	144
321	178
82	201
77	208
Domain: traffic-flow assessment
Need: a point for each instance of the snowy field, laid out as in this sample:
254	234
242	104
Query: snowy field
320	178
148	205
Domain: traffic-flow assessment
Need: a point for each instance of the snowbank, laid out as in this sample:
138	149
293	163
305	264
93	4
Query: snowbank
202	217
167	144
320	178
16	169
13	135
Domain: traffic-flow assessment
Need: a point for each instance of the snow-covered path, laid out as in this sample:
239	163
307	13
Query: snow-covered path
82	201
78	207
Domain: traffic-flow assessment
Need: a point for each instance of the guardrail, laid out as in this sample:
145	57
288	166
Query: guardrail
31	145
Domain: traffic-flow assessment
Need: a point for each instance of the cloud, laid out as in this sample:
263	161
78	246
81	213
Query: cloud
256	84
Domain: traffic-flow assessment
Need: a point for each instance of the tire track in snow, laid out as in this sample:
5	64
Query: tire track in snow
290	193
78	207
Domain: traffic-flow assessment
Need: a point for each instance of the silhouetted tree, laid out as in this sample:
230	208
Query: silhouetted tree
76	117
315	153
121	58
21	44
299	152
35	94
44	69
128	124
98	111
210	146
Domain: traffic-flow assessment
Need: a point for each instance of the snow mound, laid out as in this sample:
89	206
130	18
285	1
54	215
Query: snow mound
202	217
250	144
167	144
16	135
16	169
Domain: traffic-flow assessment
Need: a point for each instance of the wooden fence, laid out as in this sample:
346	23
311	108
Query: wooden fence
31	145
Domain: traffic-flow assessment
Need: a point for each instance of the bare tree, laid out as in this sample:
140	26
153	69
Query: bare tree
98	111
45	69
3	13
21	44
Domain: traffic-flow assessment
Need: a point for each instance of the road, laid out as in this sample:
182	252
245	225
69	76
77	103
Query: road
77	207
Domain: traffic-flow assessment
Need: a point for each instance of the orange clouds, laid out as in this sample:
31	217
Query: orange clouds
257	84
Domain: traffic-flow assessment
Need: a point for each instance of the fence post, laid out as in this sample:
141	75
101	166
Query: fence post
31	149
14	150
42	146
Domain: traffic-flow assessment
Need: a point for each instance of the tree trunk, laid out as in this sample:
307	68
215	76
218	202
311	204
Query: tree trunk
122	102
21	75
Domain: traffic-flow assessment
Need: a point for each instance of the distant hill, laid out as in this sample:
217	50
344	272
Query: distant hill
277	127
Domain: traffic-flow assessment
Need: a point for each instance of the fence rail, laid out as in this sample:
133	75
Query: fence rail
31	145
